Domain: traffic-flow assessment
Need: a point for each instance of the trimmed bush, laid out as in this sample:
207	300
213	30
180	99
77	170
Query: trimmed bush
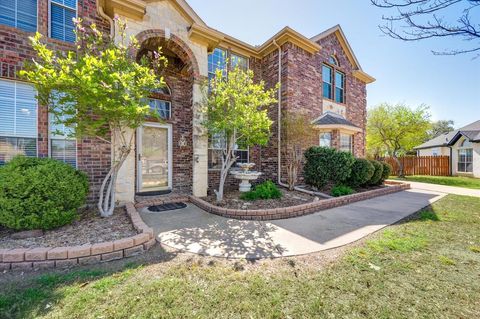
362	172
326	165
40	193
341	190
377	174
265	190
387	170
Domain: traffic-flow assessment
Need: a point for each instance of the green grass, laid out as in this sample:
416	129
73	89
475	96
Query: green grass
428	267
459	181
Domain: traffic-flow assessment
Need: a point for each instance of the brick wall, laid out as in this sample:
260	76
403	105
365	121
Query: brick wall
93	156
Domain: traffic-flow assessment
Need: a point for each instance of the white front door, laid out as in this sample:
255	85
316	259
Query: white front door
154	157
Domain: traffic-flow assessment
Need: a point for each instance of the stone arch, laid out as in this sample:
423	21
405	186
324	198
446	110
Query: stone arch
174	44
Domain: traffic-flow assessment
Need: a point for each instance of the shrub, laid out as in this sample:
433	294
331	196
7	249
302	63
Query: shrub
40	193
341	190
324	165
377	174
387	170
362	171
265	190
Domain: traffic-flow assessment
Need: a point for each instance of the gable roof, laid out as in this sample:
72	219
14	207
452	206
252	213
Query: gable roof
470	131
338	32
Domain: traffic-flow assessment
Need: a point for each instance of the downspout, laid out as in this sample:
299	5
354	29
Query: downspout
279	121
102	13
279	115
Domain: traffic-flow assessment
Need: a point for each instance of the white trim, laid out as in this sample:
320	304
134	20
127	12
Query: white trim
169	150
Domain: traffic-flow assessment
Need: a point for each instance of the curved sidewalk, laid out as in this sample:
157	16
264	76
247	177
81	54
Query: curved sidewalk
442	188
194	230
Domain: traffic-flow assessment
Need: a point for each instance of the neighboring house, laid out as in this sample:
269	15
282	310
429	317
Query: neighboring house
320	77
463	147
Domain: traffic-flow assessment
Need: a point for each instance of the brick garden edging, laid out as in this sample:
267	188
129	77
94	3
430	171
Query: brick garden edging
48	257
296	211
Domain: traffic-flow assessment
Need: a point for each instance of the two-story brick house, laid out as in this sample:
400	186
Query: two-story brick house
319	76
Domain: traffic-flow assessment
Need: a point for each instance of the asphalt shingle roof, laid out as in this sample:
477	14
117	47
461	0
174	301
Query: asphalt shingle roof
471	131
330	118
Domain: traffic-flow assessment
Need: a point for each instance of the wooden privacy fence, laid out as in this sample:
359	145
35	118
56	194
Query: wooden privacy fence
421	165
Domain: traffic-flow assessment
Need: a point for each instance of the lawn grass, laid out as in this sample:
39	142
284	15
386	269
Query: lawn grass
458	181
428	267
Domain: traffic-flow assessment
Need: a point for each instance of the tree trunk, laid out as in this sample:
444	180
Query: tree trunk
106	199
400	166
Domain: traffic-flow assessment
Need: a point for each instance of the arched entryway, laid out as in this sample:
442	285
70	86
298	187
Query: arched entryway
165	152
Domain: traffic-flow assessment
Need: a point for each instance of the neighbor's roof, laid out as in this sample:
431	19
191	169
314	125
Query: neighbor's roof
470	131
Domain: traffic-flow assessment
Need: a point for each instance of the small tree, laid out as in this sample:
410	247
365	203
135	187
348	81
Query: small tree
296	130
236	110
396	129
101	92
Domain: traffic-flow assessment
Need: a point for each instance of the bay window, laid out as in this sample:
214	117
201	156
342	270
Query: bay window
346	144
18	118
62	13
21	14
325	139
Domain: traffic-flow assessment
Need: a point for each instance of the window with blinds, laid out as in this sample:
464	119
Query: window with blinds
62	144
18	118
20	14
62	13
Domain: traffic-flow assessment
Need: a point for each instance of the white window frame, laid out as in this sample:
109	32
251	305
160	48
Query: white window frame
320	138
465	149
350	136
50	17
52	136
15	116
210	148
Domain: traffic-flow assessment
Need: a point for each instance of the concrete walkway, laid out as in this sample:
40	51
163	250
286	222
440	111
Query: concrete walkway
443	188
194	230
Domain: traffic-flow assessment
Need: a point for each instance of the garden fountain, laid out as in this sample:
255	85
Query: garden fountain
245	175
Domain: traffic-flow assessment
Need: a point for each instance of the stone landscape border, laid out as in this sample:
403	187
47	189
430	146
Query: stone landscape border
59	257
299	210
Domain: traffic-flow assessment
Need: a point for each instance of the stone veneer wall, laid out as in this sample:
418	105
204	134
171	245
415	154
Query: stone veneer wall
93	156
60	257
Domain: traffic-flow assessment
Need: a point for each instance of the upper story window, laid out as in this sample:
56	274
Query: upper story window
20	14
327	77
62	13
217	60
160	102
339	87
333	60
333	81
18	118
239	61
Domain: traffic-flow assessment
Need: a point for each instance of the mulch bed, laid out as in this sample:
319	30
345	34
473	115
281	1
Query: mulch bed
290	198
90	228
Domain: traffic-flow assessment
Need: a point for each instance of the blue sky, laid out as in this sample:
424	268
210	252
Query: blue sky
405	71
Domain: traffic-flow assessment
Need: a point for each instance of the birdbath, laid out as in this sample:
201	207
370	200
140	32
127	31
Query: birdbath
245	175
